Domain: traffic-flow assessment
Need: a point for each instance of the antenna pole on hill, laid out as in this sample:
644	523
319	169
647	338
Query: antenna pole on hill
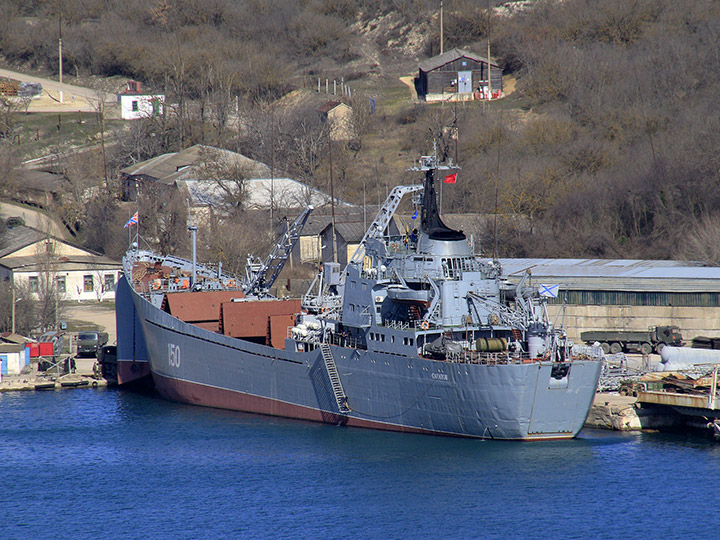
193	232
489	70
272	167
441	26
60	55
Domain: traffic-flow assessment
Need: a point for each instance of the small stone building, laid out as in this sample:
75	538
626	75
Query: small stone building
458	75
338	115
135	104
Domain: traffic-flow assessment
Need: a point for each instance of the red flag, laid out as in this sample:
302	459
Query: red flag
450	179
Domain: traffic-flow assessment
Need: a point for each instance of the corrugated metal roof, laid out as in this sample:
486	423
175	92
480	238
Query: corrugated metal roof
74	262
284	192
9	337
450	56
43	181
17	238
618	274
351	232
11	348
319	221
168	168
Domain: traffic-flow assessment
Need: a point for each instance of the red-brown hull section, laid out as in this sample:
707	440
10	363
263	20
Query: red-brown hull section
129	371
208	396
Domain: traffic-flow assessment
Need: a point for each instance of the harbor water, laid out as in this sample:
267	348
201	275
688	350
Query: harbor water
116	464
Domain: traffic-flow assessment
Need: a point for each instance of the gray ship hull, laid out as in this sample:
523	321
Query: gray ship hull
520	401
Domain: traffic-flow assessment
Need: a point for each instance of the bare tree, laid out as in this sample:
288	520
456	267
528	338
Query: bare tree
9	163
49	307
701	244
24	312
227	176
8	117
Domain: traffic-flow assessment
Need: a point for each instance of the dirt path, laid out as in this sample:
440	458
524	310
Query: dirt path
74	98
409	81
33	218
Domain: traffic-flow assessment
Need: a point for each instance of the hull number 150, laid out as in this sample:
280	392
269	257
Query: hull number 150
174	355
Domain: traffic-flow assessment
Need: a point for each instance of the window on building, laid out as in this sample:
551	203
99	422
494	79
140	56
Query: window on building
109	282
34	282
134	106
88	284
61	284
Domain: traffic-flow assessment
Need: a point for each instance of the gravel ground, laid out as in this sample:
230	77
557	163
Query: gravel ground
100	314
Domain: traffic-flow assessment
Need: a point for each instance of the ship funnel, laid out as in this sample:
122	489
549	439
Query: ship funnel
431	223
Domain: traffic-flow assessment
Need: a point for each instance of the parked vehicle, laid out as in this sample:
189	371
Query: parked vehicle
89	343
654	338
107	361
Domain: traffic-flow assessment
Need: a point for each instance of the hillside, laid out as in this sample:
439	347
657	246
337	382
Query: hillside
607	147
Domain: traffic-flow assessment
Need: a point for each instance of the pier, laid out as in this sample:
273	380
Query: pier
645	399
85	376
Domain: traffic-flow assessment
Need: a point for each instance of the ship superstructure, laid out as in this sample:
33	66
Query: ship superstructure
416	333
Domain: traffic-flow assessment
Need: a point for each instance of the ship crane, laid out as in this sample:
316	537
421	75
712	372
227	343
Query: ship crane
260	277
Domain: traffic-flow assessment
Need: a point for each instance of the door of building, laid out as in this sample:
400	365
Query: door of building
464	82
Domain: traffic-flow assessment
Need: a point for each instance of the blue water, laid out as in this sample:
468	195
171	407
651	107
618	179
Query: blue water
115	464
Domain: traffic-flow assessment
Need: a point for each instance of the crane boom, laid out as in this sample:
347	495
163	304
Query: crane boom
260	277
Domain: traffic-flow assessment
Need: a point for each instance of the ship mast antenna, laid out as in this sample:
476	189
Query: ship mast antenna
193	232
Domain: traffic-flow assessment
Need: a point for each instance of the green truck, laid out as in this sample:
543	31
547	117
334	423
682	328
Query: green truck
652	339
90	343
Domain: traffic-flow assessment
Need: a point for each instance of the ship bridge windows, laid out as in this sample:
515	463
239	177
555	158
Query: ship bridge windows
453	267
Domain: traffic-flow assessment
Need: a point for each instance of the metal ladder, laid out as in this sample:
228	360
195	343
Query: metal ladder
332	372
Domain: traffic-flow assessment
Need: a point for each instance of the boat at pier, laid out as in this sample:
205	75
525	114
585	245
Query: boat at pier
417	333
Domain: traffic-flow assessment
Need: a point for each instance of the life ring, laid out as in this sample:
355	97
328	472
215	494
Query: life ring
156	284
424	325
185	283
231	283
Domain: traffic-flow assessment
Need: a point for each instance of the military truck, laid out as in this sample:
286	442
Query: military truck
653	339
90	343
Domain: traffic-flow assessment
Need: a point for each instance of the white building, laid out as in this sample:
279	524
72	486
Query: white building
134	104
29	257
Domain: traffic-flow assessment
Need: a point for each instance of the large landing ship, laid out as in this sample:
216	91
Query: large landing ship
416	334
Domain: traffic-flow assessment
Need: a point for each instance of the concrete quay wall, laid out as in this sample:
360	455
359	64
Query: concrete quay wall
692	321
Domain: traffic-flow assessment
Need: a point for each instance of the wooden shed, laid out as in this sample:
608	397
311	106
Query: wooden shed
457	74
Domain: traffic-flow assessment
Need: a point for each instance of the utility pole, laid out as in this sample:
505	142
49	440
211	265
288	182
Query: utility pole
489	69
332	202
272	168
13	302
60	54
441	26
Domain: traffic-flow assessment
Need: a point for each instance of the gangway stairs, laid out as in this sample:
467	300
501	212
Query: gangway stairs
332	372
